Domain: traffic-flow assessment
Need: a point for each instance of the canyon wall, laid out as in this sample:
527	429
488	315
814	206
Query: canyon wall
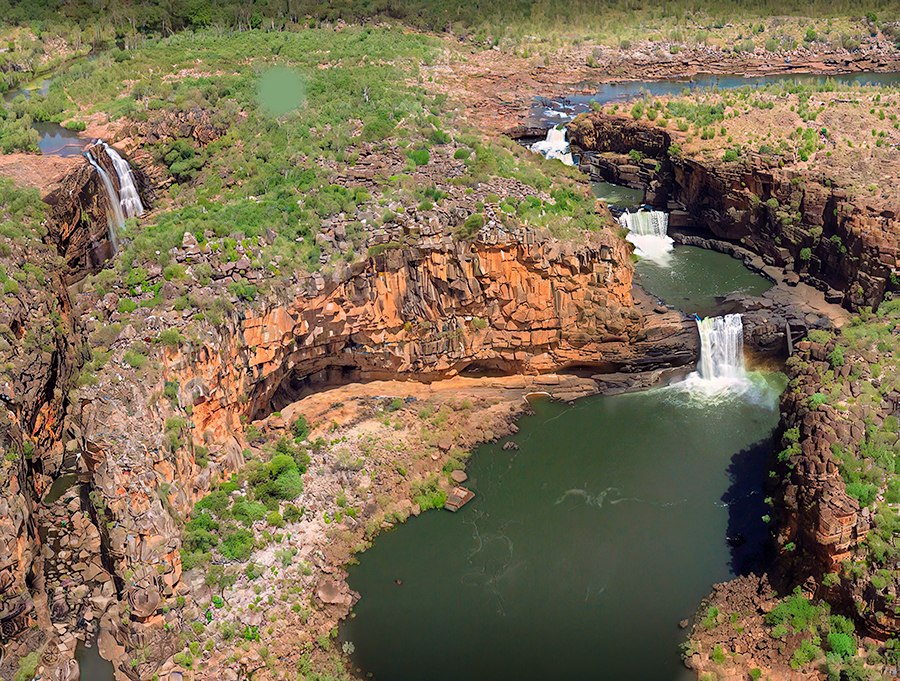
508	302
843	245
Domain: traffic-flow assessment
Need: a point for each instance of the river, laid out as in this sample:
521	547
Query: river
583	549
553	110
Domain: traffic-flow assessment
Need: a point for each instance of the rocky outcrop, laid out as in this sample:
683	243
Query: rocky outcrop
437	310
196	124
78	223
603	133
830	239
39	354
836	421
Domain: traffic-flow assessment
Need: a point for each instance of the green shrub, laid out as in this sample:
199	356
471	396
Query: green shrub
718	655
427	494
134	359
418	156
796	611
170	337
841	644
237	544
806	653
816	400
866	493
248	512
275	520
731	155
300	427
277	480
836	357
470	227
127	306
377	130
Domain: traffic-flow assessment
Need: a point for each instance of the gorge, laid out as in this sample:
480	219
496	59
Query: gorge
243	349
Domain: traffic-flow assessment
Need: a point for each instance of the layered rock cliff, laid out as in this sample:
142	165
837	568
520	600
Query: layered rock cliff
107	551
837	469
431	312
836	242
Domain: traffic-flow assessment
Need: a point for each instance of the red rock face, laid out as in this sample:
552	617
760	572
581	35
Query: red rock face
78	223
431	313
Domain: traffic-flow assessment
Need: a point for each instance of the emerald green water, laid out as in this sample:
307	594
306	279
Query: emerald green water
694	279
618	195
580	552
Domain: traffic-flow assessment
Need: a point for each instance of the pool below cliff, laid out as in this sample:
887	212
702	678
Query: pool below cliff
582	550
696	280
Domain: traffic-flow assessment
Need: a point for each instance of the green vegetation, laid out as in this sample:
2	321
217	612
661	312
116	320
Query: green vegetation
486	23
797	615
27	667
427	493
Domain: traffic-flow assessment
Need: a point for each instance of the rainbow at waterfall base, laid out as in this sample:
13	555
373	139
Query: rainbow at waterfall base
584	548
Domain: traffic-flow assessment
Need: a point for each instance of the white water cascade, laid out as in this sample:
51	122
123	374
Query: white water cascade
721	348
129	198
115	217
647	231
555	146
125	203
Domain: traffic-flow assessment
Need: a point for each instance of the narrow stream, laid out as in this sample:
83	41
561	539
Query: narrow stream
553	110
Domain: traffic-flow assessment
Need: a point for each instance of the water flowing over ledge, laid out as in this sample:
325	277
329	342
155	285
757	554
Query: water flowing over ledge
555	146
721	376
125	203
647	230
721	347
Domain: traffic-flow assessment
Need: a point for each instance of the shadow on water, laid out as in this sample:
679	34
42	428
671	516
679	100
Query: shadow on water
747	531
93	667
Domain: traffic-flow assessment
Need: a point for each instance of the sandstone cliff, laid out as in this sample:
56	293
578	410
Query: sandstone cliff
838	243
107	551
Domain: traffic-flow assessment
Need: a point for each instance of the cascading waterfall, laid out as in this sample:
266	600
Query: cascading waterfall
721	347
125	203
647	231
115	217
129	198
555	146
646	222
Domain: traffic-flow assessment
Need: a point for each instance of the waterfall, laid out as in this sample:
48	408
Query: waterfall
555	146
126	203
114	215
721	347
647	231
129	198
646	222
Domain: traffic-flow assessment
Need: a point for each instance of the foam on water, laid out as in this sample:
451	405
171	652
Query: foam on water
555	146
647	230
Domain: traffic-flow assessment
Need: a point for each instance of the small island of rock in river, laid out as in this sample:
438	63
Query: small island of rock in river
516	340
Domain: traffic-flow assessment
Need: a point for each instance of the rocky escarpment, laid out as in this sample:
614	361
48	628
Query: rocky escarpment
837	491
841	244
511	301
508	303
78	221
40	353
